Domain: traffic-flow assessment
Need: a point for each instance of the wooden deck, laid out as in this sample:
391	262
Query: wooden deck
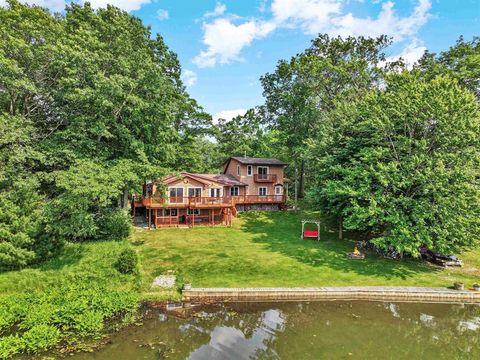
209	202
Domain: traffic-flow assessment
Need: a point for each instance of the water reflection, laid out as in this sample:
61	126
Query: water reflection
316	330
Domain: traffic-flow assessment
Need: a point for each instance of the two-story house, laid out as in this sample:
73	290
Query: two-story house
191	199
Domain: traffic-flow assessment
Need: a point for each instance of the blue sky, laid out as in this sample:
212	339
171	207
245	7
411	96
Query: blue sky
225	46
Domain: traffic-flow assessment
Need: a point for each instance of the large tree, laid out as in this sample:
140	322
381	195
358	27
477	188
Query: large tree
402	163
100	104
301	91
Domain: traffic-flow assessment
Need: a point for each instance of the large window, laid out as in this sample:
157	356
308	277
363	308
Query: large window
262	191
249	170
278	190
176	195
194	192
234	191
215	192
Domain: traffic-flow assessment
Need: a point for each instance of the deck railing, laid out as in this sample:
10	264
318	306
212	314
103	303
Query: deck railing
211	202
265	178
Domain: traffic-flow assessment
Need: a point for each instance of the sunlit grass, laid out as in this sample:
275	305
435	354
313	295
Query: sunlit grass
265	250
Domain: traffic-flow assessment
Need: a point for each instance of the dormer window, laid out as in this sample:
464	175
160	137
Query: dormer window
249	170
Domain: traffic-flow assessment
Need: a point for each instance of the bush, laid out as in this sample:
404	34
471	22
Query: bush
38	321
127	261
114	224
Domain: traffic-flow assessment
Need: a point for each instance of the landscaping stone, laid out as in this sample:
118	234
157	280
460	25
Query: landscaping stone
164	281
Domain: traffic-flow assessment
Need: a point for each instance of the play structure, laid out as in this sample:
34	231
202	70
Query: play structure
311	233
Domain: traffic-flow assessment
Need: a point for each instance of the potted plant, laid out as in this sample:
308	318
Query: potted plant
459	286
476	287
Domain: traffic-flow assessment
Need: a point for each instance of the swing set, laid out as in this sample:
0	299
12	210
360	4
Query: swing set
311	233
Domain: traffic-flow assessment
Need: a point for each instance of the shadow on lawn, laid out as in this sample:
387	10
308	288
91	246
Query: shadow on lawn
70	255
280	232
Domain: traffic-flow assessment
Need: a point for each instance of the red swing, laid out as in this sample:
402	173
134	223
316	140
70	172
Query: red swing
311	233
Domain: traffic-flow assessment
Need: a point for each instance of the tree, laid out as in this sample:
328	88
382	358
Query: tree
403	165
300	92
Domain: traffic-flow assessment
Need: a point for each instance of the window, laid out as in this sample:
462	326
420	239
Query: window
278	190
193	211
249	170
176	195
262	191
234	191
215	192
238	170
194	192
262	172
170	212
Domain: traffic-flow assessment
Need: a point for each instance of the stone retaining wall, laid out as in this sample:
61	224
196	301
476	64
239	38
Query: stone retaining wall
332	293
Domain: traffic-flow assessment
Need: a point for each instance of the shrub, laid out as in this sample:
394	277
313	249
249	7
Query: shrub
114	224
127	261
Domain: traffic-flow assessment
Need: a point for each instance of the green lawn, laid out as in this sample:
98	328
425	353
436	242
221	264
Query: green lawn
265	250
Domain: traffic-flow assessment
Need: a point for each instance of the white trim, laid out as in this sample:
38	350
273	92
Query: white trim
194	187
278	187
263	166
251	170
262	187
217	190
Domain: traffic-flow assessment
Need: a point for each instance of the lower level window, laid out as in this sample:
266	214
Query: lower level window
262	191
193	211
170	212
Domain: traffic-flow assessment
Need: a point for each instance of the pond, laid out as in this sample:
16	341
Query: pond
303	330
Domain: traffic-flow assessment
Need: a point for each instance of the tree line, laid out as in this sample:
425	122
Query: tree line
92	104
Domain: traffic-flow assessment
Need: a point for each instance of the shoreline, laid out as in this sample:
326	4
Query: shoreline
367	293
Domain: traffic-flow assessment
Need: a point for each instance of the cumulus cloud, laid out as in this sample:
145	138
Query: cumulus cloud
224	40
219	10
189	77
410	54
225	37
228	114
162	14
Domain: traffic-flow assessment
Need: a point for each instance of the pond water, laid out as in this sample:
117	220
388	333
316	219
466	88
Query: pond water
303	330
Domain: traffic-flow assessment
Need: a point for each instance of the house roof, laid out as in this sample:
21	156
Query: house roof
207	179
255	161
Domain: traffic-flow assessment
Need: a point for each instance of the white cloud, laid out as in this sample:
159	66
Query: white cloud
225	37
189	77
410	54
219	10
162	14
228	114
225	40
387	22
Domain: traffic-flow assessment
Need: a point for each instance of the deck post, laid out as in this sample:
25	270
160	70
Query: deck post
149	218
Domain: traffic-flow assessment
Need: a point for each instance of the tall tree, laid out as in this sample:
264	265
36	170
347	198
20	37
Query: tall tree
302	90
402	164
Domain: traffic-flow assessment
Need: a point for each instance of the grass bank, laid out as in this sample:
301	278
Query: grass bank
65	302
265	250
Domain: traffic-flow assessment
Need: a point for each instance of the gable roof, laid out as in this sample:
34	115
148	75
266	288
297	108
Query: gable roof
254	161
206	179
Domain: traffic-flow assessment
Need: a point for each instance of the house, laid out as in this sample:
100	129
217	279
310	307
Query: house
191	199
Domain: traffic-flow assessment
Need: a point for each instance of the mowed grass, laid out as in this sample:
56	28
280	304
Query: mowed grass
265	250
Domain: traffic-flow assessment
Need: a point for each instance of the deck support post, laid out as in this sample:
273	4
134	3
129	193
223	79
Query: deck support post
149	218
